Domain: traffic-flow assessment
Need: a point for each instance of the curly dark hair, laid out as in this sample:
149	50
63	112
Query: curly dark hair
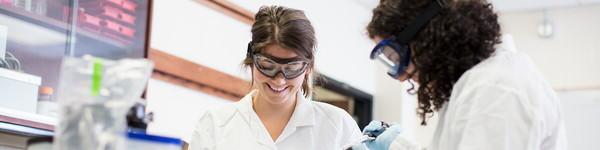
463	34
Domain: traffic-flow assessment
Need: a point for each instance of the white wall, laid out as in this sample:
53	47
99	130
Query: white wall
177	109
192	31
571	59
581	111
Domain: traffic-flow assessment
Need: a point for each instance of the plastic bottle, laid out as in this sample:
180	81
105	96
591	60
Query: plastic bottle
46	105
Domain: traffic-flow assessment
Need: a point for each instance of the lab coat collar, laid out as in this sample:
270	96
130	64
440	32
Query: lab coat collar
244	106
304	113
302	116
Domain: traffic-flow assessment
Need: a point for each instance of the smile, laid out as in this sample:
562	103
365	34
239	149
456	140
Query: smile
277	89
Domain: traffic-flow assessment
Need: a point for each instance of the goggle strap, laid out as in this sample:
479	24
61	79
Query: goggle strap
413	28
249	51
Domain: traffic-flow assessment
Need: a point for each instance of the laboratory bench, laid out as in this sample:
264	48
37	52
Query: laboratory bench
16	127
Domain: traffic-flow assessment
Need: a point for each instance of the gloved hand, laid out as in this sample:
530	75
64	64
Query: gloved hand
385	136
383	141
374	128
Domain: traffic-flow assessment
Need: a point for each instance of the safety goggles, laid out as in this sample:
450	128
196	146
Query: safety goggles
394	52
271	66
392	55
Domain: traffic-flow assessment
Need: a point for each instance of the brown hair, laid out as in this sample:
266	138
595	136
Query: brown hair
288	28
463	34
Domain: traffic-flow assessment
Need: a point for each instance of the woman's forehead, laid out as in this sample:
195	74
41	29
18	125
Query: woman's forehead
278	51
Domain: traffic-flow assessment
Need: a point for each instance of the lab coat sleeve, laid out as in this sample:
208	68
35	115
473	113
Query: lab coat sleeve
350	131
490	117
203	137
402	142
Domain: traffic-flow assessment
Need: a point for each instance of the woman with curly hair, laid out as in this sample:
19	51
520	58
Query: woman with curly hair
486	95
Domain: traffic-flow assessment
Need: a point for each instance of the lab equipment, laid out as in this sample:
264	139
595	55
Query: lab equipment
375	128
394	52
19	90
94	95
10	62
137	119
46	105
370	132
142	141
385	139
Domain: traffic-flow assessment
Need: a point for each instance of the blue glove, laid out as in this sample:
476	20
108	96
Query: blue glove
384	136
383	140
374	128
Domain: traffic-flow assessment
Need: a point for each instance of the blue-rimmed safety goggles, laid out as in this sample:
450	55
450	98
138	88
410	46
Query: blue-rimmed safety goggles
393	55
395	52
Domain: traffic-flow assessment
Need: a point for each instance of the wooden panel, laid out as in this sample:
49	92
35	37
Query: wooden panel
187	74
229	9
194	76
194	86
199	77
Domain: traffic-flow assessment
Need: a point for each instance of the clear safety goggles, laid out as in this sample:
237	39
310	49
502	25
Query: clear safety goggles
271	66
394	56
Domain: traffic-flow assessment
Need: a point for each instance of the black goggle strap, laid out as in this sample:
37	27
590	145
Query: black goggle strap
413	28
249	52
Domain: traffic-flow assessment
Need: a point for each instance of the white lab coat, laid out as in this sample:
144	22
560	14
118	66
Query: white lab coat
313	126
502	103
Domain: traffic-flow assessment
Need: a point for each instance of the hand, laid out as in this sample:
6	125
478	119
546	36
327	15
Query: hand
374	128
384	136
383	140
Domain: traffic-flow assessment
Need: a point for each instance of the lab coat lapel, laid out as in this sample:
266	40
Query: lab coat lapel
303	116
260	133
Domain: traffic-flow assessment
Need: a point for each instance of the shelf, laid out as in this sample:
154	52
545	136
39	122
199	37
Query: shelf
57	25
25	123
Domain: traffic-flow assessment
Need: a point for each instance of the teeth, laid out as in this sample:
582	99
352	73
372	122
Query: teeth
276	89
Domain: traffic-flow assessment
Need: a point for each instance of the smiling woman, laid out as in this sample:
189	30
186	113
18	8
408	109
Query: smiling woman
278	113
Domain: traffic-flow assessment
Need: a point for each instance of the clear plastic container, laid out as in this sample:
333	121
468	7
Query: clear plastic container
142	141
46	105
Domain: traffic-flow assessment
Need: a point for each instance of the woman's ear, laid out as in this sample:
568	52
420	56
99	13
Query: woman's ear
309	70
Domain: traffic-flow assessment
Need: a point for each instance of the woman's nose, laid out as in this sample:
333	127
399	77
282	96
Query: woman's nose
279	79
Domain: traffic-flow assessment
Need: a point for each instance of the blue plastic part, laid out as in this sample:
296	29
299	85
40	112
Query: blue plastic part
154	138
